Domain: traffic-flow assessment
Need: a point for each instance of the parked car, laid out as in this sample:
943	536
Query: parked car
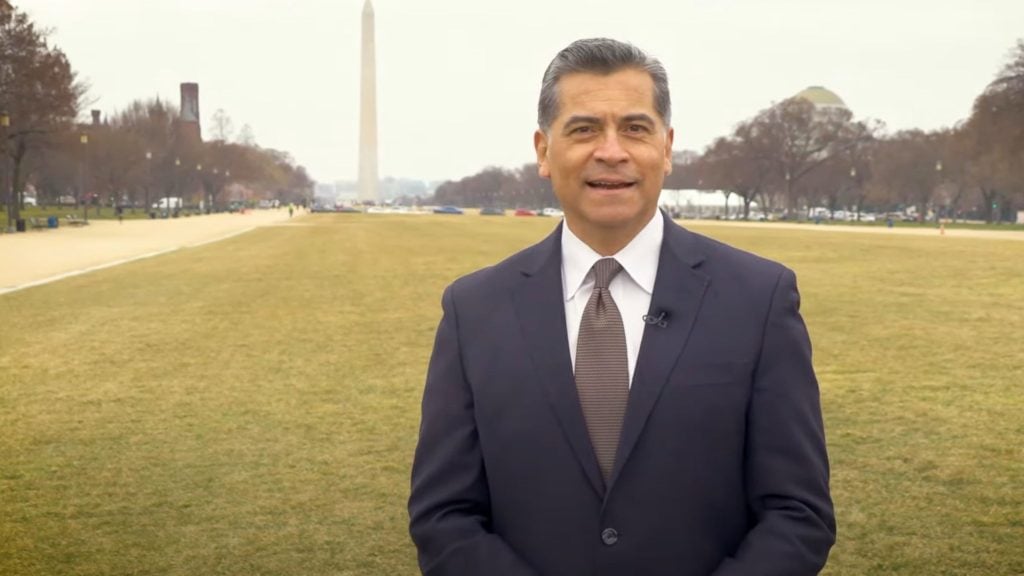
553	212
492	211
524	212
447	210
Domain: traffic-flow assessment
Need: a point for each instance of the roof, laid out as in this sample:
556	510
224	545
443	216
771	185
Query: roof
821	97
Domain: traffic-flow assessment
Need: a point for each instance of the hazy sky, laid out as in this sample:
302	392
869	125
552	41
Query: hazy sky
458	79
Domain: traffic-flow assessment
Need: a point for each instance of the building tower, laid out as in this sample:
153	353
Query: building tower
189	129
368	111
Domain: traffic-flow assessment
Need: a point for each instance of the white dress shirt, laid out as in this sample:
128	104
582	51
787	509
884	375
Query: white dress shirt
631	289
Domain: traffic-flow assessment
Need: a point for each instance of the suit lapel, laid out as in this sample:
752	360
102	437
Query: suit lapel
678	291
540	309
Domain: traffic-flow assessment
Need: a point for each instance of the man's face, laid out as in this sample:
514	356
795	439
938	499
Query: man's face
606	153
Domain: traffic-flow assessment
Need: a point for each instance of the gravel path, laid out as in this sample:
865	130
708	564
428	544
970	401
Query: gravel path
949	232
37	257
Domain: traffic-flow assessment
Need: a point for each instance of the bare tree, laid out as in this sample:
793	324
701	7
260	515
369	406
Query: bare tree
735	165
994	139
798	139
39	93
223	127
246	137
115	159
907	165
848	171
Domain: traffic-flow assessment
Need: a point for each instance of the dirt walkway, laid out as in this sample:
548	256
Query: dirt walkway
37	257
949	232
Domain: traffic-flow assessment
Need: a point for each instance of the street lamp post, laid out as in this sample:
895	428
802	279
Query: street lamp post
174	182
5	124
853	177
199	179
149	178
216	185
789	194
84	140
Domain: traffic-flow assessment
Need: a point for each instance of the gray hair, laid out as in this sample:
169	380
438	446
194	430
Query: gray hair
600	56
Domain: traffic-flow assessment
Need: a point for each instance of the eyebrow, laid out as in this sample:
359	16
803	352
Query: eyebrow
580	119
638	118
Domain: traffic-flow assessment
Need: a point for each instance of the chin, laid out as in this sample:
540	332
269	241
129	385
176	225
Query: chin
615	216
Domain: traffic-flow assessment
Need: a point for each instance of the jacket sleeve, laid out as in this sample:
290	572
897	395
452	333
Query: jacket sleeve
786	463
449	505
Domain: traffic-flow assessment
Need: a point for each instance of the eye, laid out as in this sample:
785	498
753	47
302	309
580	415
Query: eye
637	129
581	130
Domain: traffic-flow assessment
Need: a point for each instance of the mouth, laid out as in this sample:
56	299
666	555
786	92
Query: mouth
610	184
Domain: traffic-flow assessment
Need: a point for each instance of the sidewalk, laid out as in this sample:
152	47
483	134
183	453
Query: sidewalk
36	257
896	231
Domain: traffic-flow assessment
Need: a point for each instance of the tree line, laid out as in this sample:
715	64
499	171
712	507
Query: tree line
498	187
131	158
795	154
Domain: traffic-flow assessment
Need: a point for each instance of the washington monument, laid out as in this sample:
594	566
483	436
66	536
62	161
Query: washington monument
368	112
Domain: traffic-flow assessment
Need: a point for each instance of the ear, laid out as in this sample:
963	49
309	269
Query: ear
540	145
669	136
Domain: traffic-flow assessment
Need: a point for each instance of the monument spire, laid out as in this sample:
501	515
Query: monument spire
368	111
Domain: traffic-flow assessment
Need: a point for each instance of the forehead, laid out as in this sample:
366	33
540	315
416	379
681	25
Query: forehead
626	91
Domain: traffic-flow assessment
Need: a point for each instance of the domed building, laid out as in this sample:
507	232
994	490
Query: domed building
821	97
825	101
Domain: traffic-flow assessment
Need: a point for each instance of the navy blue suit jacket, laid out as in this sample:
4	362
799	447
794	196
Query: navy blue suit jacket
721	468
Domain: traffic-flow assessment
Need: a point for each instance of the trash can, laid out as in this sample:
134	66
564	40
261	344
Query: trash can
52	222
19	224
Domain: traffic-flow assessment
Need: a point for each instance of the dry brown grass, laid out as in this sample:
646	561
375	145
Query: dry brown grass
251	407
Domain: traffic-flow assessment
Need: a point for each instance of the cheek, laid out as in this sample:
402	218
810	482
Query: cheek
570	162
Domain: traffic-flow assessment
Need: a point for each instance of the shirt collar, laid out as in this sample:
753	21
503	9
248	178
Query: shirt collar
639	258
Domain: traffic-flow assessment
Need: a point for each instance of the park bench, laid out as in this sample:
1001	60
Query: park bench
74	220
38	223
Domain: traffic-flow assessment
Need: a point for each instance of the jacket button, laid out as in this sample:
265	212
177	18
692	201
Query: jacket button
609	536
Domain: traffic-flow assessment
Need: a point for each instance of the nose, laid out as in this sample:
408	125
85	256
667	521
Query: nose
610	150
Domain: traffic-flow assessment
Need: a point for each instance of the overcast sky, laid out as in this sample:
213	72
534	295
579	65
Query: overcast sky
458	79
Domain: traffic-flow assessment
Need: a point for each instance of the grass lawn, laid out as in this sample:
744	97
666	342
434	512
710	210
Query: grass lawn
251	406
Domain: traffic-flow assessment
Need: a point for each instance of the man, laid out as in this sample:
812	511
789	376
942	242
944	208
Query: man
625	397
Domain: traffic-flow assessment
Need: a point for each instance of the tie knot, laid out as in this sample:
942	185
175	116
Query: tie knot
604	270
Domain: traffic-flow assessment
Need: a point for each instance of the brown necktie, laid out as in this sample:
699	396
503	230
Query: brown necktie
602	367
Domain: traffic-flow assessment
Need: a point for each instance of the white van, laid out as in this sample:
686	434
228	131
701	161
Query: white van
175	202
